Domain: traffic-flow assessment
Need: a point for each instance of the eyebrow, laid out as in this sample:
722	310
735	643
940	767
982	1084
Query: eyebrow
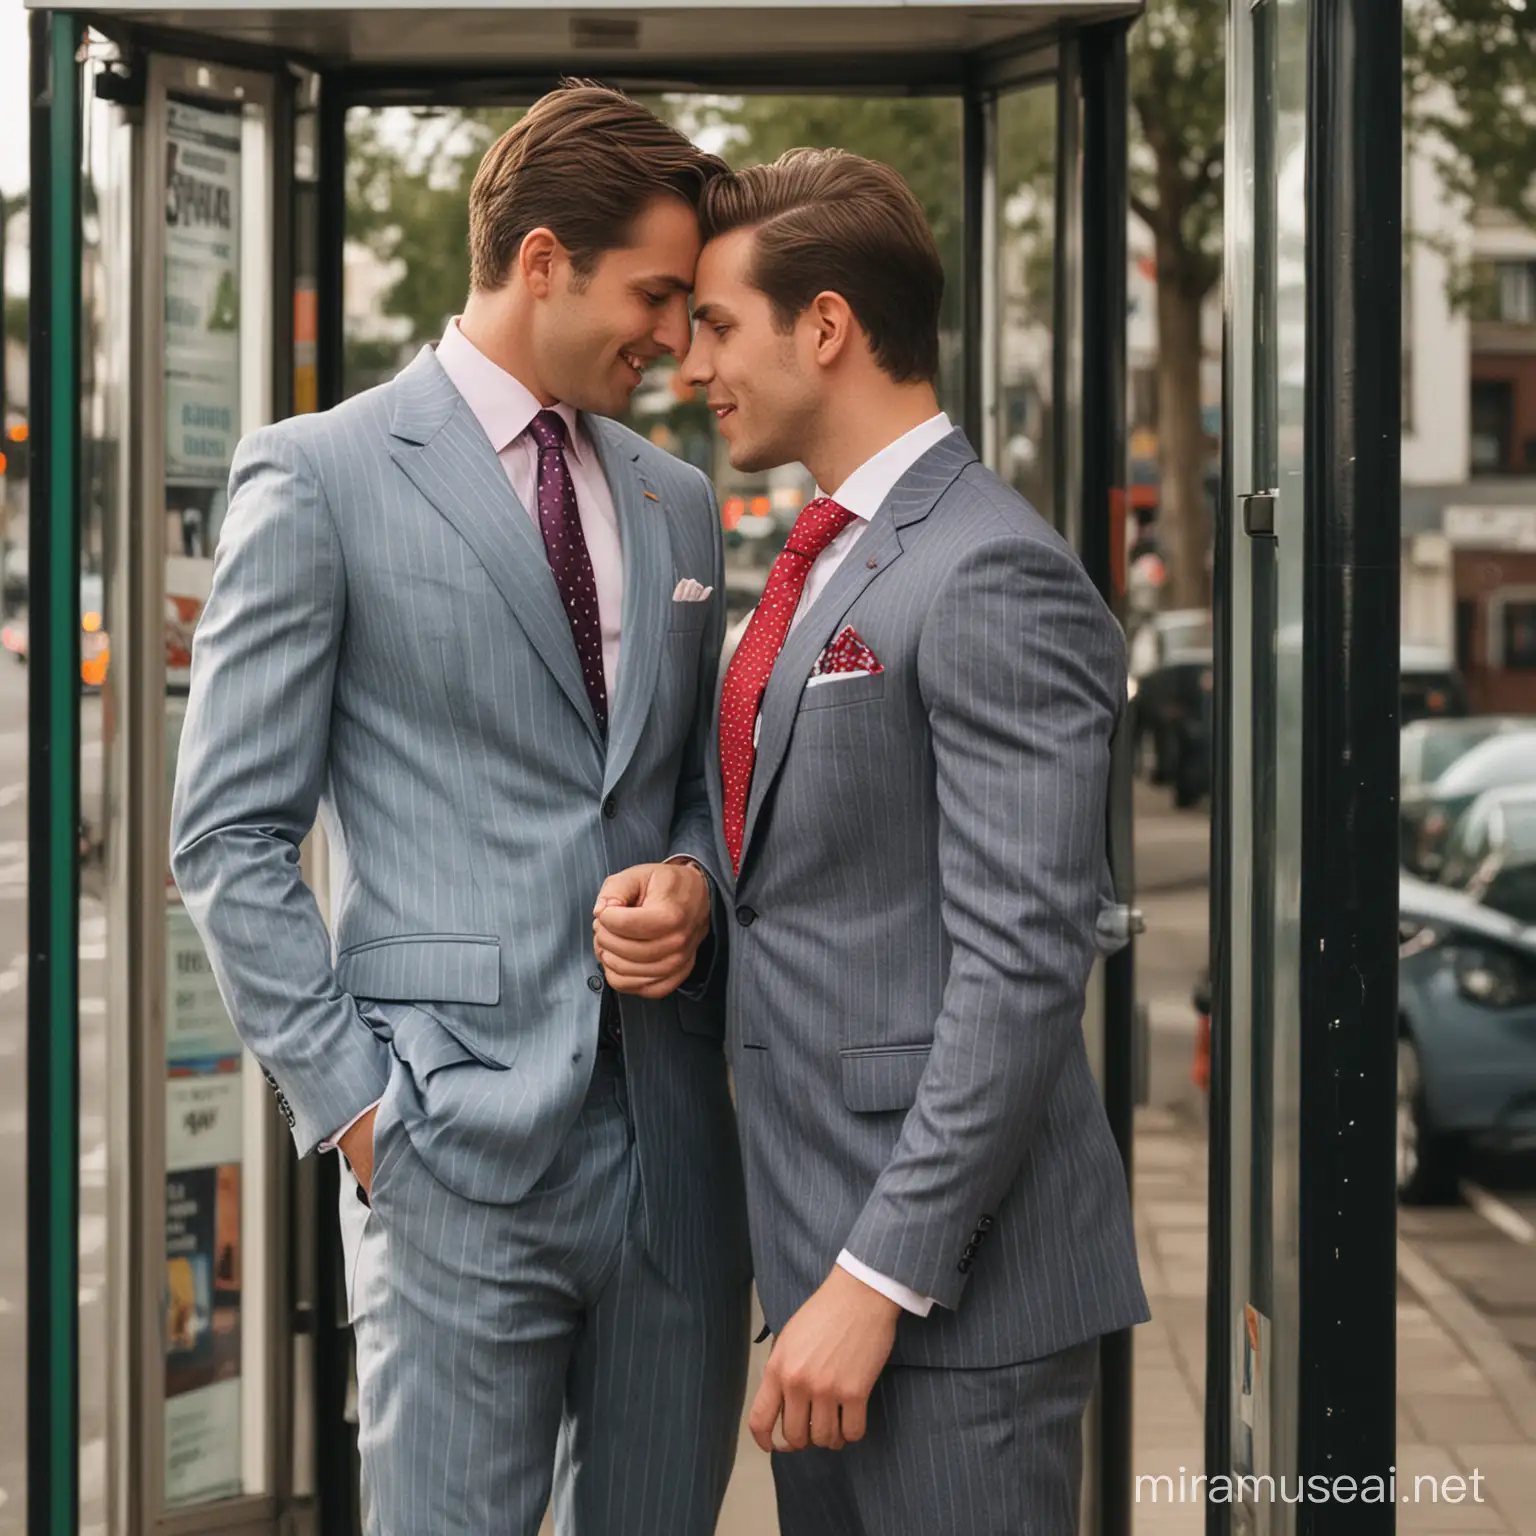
710	312
676	284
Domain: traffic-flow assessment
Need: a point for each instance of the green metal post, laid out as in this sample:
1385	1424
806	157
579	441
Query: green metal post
53	1078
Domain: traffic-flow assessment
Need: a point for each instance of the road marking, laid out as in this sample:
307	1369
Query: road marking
1506	1218
93	1007
93	951
93	1167
11	793
13	873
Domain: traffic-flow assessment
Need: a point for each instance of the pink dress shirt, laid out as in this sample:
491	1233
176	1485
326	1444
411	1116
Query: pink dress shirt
504	408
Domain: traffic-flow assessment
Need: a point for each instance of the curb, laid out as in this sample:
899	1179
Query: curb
1508	1374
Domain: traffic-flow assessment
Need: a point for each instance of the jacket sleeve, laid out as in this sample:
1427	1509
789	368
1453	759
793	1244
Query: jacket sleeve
249	774
1022	669
693	833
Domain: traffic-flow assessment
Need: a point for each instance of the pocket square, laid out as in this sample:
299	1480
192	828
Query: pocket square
689	591
847	654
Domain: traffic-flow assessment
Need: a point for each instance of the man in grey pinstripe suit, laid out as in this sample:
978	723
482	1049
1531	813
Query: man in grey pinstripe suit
476	624
911	767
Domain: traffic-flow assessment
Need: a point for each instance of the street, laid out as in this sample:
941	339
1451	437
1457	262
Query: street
1484	1250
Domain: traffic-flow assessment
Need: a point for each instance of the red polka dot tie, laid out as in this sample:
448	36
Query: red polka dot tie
569	559
820	522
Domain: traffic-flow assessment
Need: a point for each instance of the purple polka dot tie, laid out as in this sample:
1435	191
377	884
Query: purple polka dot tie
566	546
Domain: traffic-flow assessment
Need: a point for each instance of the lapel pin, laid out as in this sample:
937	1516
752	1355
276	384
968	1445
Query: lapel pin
872	563
652	496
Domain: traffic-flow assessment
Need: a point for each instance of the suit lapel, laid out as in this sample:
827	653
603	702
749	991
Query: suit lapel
911	500
647	592
442	448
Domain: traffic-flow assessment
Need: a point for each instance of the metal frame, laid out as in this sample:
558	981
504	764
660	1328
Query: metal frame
145	841
53	788
1347	1181
1335	1212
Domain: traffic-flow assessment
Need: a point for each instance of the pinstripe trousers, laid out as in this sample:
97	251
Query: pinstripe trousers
993	1452
502	1349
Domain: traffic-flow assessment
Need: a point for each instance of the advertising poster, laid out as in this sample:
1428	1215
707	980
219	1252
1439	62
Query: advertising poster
202	1334
202	294
204	1144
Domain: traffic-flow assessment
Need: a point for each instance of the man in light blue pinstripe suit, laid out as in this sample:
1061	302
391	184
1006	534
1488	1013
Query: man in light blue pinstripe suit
912	763
475	625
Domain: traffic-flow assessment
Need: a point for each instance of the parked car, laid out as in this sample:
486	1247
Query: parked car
1170	665
1429	686
1466	1053
1491	852
1426	749
1505	759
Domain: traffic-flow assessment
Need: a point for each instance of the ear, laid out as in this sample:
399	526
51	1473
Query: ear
537	258
834	326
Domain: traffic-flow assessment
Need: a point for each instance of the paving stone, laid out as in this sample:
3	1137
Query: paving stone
1508	1481
1457	1419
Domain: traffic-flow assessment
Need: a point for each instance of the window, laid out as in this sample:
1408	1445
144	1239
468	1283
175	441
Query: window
1520	636
1504	292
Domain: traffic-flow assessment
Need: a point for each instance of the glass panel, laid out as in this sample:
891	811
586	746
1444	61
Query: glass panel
1026	321
107	255
216	365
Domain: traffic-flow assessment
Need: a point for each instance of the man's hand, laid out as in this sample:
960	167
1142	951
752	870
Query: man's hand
647	927
357	1147
824	1365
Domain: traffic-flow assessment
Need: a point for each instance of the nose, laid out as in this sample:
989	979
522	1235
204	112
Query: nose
696	368
674	331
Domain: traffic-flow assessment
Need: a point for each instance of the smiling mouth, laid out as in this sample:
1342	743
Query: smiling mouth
636	362
722	411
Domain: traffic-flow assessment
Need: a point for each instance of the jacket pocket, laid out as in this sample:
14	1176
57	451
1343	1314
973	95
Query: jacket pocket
879	1078
424	967
856	689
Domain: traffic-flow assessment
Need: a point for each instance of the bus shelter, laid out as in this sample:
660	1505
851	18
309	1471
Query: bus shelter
190	283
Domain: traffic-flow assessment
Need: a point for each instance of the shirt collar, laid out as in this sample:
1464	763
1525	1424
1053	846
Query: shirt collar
864	491
502	404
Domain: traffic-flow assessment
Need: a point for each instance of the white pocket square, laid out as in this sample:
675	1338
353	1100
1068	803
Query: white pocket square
689	591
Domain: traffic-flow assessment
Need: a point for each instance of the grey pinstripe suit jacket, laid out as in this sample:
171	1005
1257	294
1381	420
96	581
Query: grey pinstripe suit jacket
916	915
385	643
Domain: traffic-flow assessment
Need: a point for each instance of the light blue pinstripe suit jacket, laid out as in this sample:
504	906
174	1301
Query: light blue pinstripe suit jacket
385	644
919	903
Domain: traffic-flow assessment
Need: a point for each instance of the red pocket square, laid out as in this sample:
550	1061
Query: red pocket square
847	653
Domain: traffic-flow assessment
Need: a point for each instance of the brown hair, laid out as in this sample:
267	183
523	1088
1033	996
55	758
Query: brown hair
584	161
827	220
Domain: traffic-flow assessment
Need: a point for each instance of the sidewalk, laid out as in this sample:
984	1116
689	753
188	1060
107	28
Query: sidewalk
1465	1401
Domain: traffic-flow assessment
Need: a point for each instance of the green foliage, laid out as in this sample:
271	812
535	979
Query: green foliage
408	180
1178	107
1469	69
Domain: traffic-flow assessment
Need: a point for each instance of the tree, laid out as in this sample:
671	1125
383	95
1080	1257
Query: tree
1178	109
408	181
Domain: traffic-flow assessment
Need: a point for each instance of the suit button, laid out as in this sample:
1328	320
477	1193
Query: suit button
985	1224
745	916
610	807
965	1266
594	983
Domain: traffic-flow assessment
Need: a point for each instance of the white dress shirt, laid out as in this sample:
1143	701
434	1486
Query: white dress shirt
863	493
505	408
